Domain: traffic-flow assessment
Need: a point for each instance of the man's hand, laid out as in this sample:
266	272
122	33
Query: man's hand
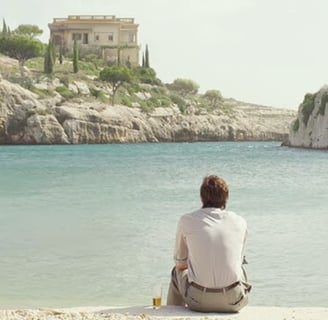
181	267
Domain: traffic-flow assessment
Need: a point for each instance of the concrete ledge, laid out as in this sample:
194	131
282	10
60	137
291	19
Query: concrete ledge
248	313
165	313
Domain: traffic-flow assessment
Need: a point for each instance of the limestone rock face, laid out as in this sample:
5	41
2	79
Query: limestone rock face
26	119
44	129
310	129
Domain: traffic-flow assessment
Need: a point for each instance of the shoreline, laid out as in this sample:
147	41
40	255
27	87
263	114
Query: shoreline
164	312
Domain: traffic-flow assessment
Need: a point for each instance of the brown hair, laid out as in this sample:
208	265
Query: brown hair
214	192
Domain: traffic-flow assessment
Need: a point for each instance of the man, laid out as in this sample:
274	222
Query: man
209	252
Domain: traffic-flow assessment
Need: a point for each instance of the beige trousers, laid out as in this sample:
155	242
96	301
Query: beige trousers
181	293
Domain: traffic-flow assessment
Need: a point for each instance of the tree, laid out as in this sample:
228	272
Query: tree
116	76
119	55
147	65
4	31
214	97
75	57
146	75
184	86
61	53
52	50
143	60
28	30
48	59
21	48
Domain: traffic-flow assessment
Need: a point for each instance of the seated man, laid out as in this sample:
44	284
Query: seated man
209	252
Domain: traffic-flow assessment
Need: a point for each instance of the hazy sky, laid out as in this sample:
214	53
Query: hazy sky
267	52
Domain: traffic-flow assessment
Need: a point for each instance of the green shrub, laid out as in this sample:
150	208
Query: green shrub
146	75
184	86
296	125
179	102
165	102
65	92
308	106
206	106
212	99
65	80
324	101
146	106
158	91
97	93
42	93
153	102
126	101
88	67
24	82
94	59
35	63
132	88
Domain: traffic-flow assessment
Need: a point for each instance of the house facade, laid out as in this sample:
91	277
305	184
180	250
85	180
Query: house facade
113	39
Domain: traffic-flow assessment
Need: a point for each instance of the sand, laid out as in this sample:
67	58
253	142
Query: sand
165	313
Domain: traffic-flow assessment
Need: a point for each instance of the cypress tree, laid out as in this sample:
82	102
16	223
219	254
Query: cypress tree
52	50
128	63
75	58
48	60
4	28
61	54
119	56
147	57
143	59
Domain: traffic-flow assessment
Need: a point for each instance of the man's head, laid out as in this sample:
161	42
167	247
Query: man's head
214	192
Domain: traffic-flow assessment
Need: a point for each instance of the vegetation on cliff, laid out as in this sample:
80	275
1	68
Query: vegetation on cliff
70	98
309	130
130	86
307	107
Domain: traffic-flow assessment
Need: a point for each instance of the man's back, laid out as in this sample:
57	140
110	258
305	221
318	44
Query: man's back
215	240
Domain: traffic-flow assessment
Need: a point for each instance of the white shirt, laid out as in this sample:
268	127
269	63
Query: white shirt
211	241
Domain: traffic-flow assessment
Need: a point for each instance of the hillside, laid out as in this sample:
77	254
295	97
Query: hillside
69	108
310	129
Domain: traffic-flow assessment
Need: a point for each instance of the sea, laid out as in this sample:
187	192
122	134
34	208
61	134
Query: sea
94	225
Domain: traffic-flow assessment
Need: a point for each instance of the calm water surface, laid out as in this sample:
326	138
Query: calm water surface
95	224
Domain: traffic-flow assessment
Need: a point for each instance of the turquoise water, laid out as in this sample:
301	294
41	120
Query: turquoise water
95	224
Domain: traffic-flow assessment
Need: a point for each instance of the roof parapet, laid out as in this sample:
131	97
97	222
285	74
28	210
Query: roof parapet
93	18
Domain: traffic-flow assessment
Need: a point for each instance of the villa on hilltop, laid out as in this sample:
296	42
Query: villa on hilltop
113	39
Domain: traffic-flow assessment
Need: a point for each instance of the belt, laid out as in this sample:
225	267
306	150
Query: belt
195	285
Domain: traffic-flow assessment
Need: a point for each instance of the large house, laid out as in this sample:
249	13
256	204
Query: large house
113	39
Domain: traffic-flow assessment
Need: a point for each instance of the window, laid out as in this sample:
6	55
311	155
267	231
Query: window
77	36
131	37
110	36
58	40
97	37
85	38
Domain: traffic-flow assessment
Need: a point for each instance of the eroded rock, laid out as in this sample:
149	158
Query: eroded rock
27	119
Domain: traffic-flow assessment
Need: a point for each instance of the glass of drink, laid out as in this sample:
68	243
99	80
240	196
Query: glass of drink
157	296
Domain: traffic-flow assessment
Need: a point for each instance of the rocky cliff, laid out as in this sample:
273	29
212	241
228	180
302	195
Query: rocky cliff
310	129
25	118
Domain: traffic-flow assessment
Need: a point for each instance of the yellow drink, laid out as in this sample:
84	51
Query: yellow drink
157	302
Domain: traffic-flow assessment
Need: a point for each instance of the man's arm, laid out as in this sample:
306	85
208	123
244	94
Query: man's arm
181	250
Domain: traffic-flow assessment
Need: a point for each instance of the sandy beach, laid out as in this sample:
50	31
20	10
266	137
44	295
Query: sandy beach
165	312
